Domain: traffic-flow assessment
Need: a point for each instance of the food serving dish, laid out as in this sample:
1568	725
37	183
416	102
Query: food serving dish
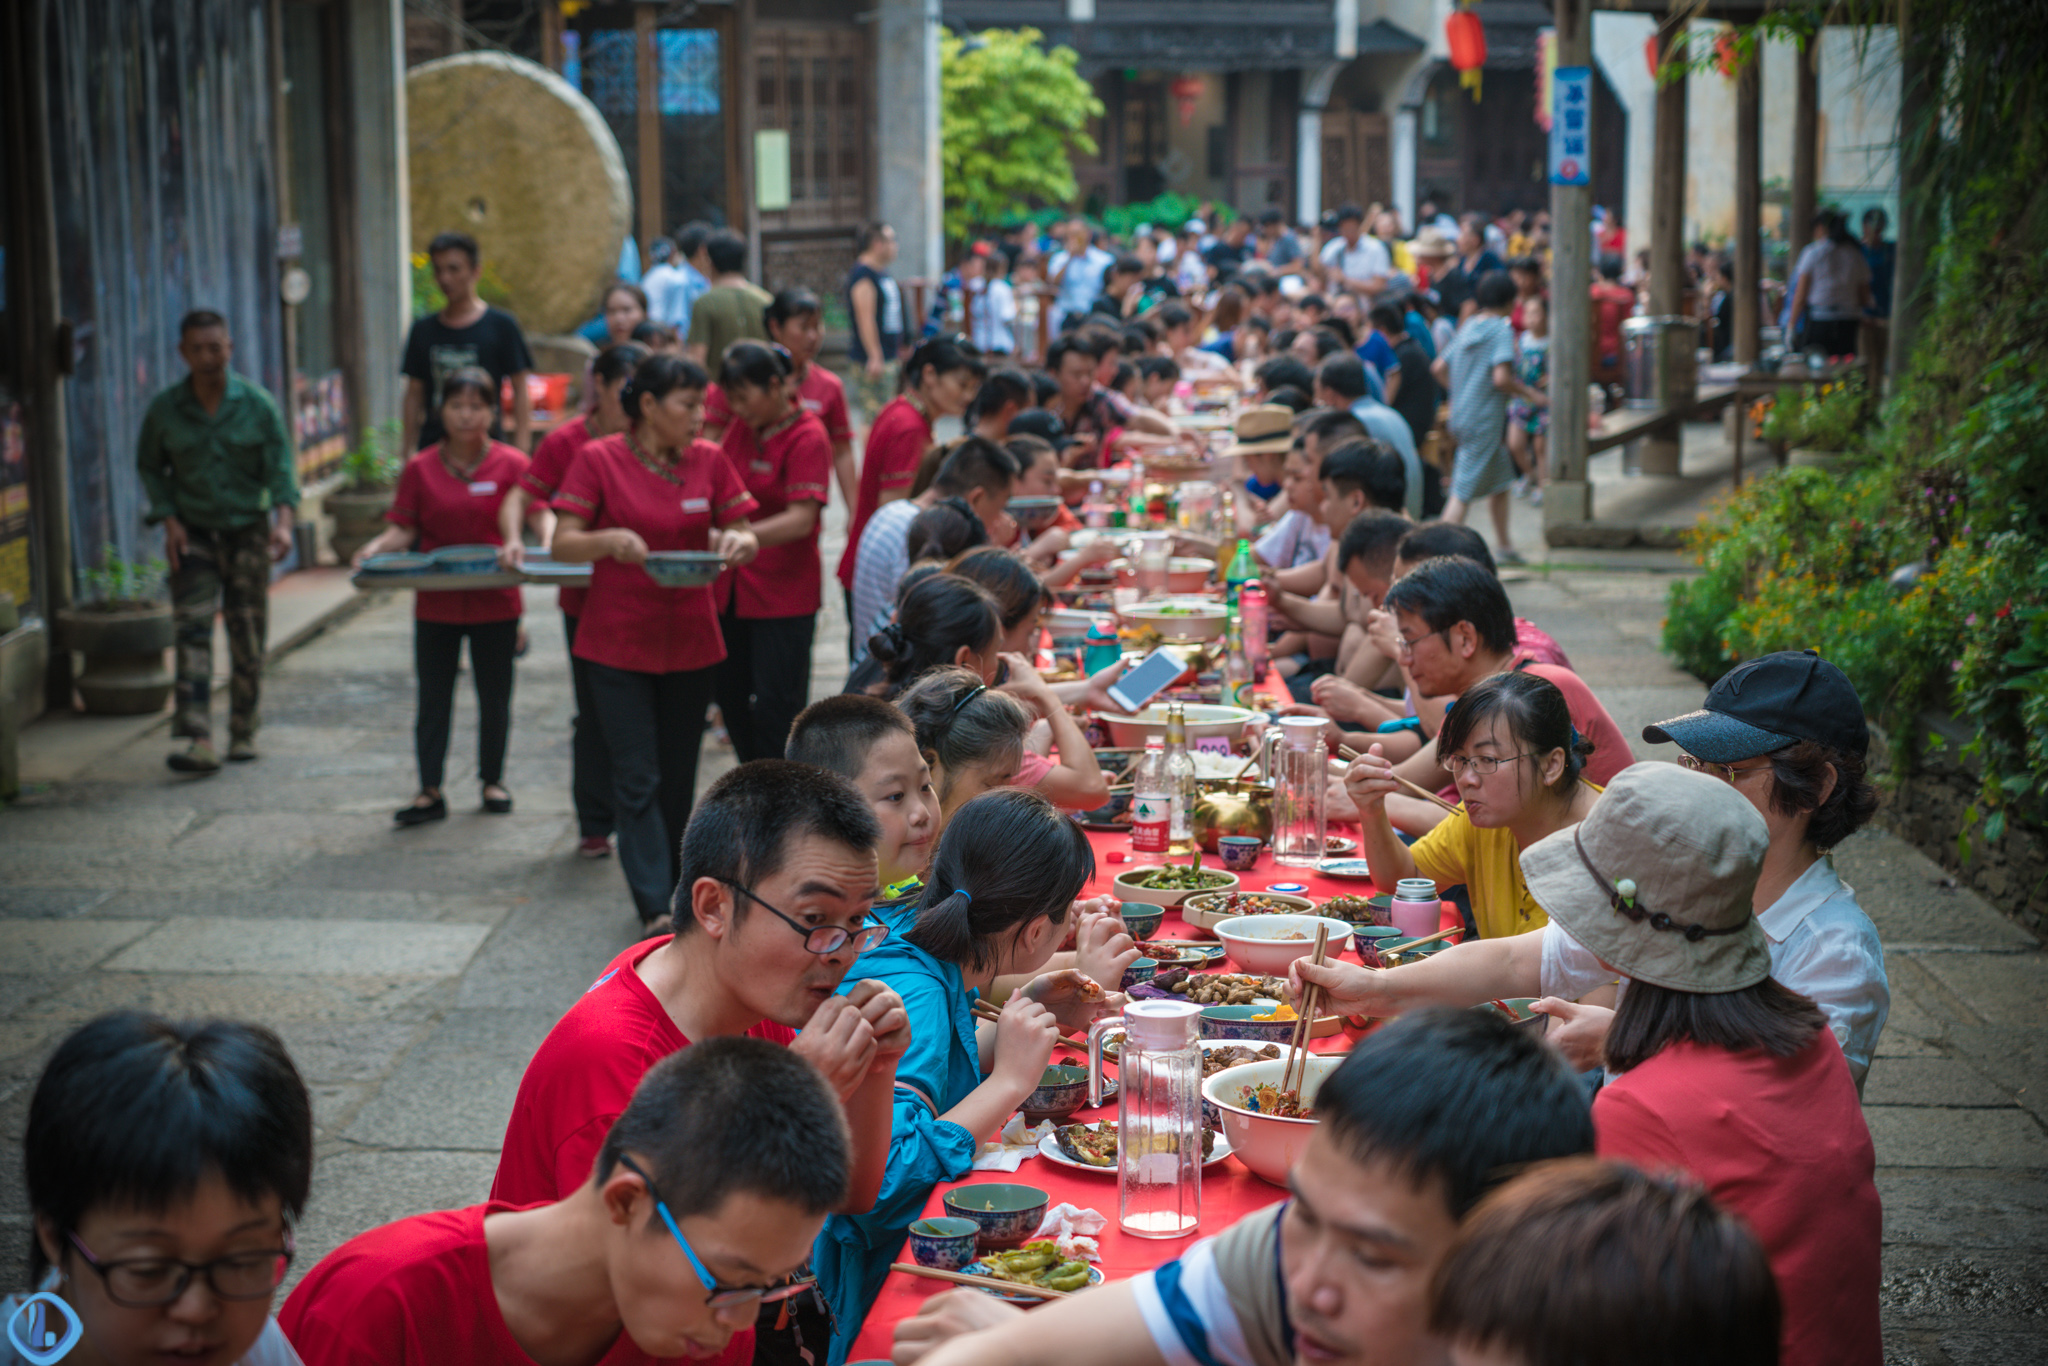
466	559
1062	1089
684	568
1248	1024
1034	511
1203	719
1184	573
1339	844
944	1243
1184	619
397	562
1130	884
1269	1144
985	1269
1206	911
1007	1214
1271	943
1353	869
1359	908
1214	1147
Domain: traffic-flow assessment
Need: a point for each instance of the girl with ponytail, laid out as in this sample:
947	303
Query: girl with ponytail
995	903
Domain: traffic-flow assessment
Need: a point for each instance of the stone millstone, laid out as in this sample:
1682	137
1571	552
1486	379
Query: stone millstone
510	153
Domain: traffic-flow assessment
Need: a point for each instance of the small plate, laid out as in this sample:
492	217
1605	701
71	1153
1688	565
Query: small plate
981	1269
1049	1146
1340	845
1352	868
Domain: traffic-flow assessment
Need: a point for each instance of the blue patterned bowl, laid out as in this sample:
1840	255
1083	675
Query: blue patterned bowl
1236	1022
1140	920
1007	1214
947	1244
683	568
1140	970
466	559
398	562
1062	1090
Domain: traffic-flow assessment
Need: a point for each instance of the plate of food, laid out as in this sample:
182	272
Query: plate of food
1172	883
1221	988
1203	912
1339	845
1353	869
1036	1263
1093	1147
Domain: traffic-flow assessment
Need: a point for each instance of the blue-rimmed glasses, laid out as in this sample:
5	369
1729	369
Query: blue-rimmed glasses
717	1296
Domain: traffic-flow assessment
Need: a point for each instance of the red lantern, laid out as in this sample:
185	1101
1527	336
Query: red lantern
1650	55
1727	56
1466	37
1186	90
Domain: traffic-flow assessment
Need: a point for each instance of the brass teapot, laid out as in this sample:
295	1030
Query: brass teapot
1232	808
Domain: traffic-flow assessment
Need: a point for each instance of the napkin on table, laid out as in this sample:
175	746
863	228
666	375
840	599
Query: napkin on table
1072	1227
1011	1146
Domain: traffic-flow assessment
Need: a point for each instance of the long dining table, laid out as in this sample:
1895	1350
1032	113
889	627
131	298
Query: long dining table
1229	1189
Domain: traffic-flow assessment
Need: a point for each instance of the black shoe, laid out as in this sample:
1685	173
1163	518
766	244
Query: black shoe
497	806
415	814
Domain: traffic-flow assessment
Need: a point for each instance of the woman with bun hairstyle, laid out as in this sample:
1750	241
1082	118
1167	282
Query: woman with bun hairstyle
971	735
939	380
796	323
995	903
768	610
652	651
453	493
942	619
1519	765
590	781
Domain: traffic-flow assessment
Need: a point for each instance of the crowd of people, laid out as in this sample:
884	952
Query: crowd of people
719	1148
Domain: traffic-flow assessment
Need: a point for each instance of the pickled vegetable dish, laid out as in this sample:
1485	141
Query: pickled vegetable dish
1039	1264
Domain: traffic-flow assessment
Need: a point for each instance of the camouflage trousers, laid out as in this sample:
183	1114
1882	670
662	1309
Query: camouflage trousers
230	569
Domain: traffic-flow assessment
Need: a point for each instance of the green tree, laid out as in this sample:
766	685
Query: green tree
1010	111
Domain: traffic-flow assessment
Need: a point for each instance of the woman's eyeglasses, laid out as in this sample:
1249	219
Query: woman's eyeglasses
1727	773
145	1282
1480	765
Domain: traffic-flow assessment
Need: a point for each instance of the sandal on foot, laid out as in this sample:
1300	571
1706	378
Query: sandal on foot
415	814
497	806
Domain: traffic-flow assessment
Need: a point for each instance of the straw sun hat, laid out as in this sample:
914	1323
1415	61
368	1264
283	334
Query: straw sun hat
1267	429
1657	881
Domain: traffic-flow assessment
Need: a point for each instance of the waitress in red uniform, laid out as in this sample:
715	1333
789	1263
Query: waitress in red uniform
768	610
451	494
797	325
652	652
939	380
590	768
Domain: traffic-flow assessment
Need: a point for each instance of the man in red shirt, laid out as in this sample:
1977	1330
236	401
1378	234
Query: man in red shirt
1612	303
708	1191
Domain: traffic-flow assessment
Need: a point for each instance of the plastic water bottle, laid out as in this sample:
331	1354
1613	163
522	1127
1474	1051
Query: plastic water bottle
1182	792
1151	801
1241	572
1252	608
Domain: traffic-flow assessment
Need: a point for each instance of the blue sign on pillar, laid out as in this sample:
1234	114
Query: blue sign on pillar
1571	126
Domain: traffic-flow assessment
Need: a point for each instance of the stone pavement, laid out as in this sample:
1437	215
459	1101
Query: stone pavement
412	973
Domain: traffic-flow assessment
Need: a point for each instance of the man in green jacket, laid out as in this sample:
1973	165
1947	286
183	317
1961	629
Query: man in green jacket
217	466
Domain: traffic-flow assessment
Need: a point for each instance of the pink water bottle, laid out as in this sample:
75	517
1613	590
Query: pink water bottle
1251	608
1415	910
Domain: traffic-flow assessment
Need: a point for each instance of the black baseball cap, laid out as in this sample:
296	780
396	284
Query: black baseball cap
1041	422
1766	704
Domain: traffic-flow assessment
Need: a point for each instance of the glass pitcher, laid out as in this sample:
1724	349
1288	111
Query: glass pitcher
1158	1116
1300	777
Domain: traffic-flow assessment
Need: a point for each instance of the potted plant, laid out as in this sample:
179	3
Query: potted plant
358	507
122	627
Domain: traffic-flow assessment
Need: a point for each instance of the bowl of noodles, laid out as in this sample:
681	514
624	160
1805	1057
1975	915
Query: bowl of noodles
1268	1130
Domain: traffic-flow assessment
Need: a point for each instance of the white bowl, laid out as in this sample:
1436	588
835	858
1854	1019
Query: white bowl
1168	896
1259	943
1180	618
1204	910
1184	574
1203	718
1267	1144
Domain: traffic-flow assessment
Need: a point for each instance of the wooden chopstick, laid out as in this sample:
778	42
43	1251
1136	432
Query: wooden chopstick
1426	939
981	1282
1296	1067
1348	754
987	1010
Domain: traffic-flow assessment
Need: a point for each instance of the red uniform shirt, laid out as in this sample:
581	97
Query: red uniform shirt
446	510
629	621
792	464
819	391
543	479
582	1076
1781	1142
418	1293
896	446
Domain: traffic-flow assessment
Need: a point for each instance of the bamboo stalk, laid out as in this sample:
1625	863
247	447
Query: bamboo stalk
980	1282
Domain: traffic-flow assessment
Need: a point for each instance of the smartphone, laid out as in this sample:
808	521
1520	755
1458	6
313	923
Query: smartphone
1152	675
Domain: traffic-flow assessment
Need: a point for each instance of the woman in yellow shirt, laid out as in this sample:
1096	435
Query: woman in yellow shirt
1510	747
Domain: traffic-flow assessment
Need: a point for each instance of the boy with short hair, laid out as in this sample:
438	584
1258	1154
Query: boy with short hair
709	1190
872	745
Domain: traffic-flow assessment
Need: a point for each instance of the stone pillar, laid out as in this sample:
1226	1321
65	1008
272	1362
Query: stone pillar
1805	144
1661	448
1569	496
383	200
1403	156
1749	203
1308	140
910	197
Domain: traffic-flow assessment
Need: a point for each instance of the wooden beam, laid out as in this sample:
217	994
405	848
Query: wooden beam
1660	450
1805	144
1569	497
1920	76
1749	203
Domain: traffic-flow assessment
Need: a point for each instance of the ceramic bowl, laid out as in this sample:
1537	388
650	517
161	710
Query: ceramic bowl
1183	619
683	568
944	1243
1142	920
1119	804
466	559
1237	1023
1517	1007
1239	852
1204	719
1034	512
1128	888
1062	1090
1370	939
1184	573
1207	911
1396	953
1261	943
1140	970
1268	1144
398	562
1006	1213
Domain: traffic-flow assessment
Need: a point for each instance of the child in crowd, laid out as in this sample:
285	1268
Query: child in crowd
1157	376
1529	418
705	1197
157	1156
873	746
943	619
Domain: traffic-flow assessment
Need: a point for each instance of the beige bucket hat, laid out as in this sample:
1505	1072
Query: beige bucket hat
1657	881
1433	243
1265	429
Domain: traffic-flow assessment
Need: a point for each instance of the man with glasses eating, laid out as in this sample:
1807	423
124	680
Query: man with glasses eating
706	1195
778	880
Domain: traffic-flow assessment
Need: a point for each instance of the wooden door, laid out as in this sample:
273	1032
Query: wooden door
1357	159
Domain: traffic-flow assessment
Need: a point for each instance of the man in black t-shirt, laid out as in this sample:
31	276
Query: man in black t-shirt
467	331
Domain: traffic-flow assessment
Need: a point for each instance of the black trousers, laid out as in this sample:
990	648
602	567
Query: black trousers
764	681
1831	336
437	658
590	764
653	726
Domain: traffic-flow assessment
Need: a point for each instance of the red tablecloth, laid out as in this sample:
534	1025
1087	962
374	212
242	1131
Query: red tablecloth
1229	1190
